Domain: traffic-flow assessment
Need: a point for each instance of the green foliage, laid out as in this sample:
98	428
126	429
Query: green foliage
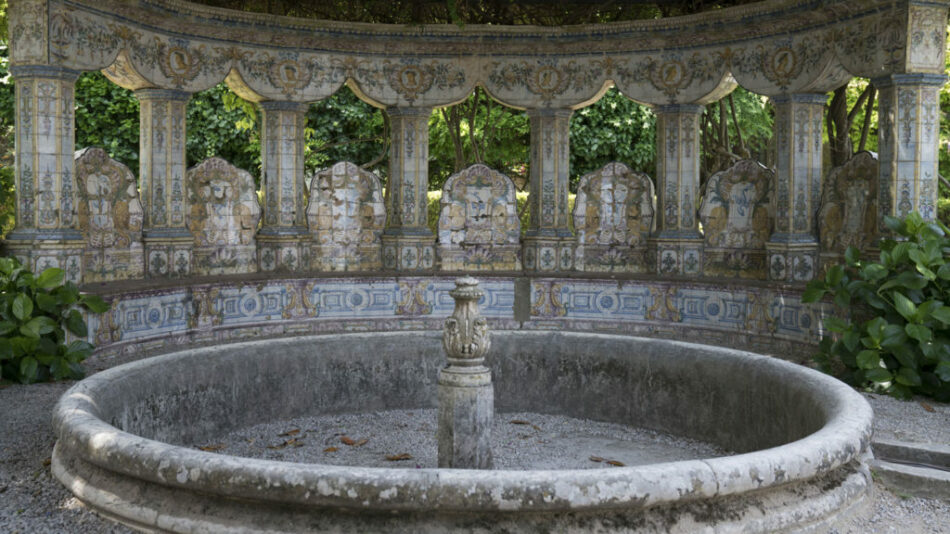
107	116
614	128
897	339
7	106
222	124
344	128
488	132
36	312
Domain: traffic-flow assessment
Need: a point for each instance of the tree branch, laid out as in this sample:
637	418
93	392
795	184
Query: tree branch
866	127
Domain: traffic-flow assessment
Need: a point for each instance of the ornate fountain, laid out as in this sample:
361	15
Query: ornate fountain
466	397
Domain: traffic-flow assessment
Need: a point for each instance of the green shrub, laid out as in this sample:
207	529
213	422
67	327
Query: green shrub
897	337
35	314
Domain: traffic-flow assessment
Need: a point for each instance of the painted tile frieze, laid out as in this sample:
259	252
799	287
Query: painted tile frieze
224	216
797	48
737	219
110	218
346	216
479	229
613	217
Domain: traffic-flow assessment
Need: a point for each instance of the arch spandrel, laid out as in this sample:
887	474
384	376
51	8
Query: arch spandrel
676	77
804	63
409	82
122	73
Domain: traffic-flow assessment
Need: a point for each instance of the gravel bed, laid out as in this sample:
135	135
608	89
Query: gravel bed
407	438
919	420
33	502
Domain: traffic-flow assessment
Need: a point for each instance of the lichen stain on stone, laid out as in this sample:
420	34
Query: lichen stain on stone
182	475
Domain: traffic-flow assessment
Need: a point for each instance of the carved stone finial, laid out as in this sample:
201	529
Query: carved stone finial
465	336
466	396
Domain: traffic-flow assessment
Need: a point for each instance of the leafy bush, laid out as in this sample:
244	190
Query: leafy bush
35	314
897	338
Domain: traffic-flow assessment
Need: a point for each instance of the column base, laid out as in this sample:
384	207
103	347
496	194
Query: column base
408	252
792	262
61	249
548	254
677	256
283	252
168	256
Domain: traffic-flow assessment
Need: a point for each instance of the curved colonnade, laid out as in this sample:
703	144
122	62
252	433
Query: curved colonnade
793	51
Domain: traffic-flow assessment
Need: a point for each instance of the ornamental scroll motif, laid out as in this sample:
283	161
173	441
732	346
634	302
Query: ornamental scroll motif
465	335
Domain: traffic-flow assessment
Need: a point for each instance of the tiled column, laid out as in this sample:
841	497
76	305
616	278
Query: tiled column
282	240
46	234
408	244
548	242
168	242
793	246
677	242
908	141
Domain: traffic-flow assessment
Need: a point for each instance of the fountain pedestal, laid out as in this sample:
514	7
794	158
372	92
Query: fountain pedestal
466	397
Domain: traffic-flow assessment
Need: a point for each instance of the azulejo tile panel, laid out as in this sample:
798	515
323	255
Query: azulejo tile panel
479	229
737	219
346	216
110	217
848	215
613	215
224	216
157	320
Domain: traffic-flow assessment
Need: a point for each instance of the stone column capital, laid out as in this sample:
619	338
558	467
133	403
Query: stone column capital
550	112
284	105
800	98
891	80
154	93
678	108
44	71
409	112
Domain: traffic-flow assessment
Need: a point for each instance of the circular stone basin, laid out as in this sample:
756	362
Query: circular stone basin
800	437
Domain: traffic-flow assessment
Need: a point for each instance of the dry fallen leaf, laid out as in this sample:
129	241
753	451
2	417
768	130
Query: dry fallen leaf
399	457
293	432
348	441
213	448
362	442
519	422
615	462
293	442
331	449
928	407
47	461
596	459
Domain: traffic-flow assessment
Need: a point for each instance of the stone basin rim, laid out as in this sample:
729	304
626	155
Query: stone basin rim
843	439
